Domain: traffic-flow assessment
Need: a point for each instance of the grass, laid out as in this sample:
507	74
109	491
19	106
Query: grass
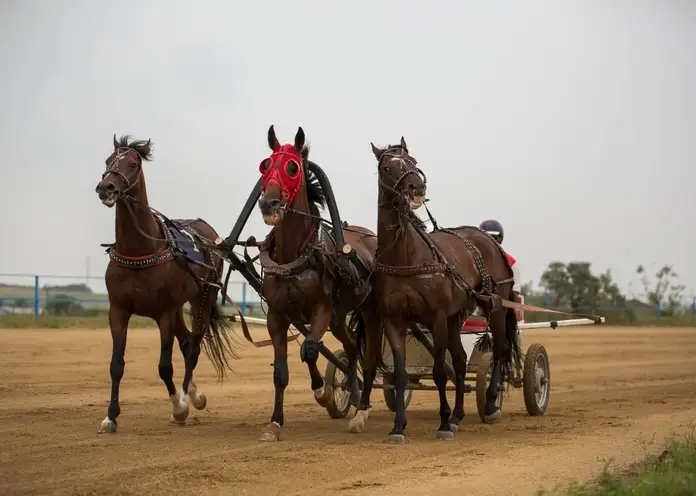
66	322
672	473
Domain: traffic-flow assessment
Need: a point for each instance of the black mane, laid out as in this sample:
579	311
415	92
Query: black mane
315	194
142	147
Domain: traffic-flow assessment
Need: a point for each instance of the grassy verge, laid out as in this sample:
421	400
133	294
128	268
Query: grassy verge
60	322
671	473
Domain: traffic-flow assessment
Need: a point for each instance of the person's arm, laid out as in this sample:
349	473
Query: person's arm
517	284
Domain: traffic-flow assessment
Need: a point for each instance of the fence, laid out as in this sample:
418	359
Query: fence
61	294
41	294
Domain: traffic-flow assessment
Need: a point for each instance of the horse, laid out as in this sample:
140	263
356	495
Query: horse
156	265
305	277
435	279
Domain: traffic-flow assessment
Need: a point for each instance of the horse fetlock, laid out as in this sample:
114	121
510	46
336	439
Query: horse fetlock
107	426
180	407
309	350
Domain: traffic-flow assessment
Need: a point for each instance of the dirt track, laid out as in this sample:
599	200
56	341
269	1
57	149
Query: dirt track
613	391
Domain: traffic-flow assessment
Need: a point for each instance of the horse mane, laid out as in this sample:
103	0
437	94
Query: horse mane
315	194
142	147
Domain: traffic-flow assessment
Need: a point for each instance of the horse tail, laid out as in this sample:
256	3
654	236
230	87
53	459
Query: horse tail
357	325
217	342
513	358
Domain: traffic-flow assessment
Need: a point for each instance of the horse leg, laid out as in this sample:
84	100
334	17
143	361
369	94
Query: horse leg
309	353
459	359
341	333
496	324
368	327
440	335
277	330
118	322
198	400
167	325
396	335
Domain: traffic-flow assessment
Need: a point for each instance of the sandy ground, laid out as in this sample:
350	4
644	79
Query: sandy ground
616	393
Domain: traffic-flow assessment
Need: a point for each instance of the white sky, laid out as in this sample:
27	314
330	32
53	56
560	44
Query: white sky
570	122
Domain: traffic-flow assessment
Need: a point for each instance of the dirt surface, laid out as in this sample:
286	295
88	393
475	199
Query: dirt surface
616	393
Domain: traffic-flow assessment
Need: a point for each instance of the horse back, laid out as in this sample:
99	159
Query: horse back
457	253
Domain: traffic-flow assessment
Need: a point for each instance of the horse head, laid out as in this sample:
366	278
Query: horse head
399	177
123	169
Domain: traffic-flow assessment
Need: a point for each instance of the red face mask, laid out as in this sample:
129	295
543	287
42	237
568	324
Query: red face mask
284	169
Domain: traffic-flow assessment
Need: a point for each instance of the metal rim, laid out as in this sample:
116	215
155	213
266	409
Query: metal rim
541	380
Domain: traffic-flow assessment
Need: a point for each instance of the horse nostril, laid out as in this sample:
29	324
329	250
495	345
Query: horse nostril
111	187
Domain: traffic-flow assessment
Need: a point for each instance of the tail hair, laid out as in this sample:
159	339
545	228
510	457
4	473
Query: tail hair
217	342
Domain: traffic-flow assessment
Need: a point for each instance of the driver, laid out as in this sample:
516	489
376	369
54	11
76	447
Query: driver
495	229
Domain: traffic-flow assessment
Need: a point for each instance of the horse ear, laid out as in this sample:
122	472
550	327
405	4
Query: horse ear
299	139
116	144
272	140
377	151
147	147
403	143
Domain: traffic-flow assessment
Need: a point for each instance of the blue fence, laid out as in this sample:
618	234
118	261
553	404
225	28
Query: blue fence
29	293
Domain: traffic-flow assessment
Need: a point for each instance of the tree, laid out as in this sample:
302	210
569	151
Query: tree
575	286
664	291
65	306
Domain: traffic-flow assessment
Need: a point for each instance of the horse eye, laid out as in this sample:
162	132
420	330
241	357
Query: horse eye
291	168
133	165
387	168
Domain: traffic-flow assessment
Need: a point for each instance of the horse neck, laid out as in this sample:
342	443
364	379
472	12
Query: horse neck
394	246
292	233
129	241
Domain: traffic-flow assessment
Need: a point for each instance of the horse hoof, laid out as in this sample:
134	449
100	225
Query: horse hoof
445	435
200	402
107	425
181	413
324	395
396	439
175	421
454	427
493	417
357	423
270	433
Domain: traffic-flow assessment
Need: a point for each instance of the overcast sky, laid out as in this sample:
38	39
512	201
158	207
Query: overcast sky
572	123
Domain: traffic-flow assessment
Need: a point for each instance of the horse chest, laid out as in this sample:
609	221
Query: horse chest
148	291
296	295
411	298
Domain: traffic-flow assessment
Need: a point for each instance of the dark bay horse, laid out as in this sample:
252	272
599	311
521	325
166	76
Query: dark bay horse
156	265
435	279
304	280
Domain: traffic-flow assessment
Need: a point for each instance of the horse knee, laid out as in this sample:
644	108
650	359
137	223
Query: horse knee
166	370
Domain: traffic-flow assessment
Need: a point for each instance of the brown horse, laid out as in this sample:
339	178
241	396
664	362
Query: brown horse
435	279
304	279
156	265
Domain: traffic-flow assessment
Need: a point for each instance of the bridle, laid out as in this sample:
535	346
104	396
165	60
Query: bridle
407	166
113	168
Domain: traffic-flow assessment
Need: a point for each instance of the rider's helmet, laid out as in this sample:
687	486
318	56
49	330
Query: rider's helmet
494	228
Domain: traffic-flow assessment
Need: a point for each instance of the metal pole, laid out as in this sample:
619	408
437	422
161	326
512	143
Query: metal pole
36	296
693	309
244	305
659	307
547	300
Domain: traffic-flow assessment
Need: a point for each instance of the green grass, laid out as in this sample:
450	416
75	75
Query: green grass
672	473
97	322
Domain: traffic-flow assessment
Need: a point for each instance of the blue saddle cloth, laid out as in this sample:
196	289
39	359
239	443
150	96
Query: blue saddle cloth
186	243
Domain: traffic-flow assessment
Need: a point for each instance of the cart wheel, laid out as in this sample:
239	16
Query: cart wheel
536	380
483	379
340	403
390	396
